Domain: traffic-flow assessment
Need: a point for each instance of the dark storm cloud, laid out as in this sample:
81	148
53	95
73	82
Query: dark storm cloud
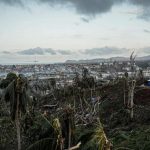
12	2
94	7
87	7
90	7
145	3
105	51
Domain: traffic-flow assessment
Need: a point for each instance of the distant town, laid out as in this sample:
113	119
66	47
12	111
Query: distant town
103	71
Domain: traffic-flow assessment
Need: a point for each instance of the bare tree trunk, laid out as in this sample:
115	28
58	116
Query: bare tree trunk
74	100
74	103
129	97
124	90
69	136
81	104
131	113
91	93
124	98
132	97
99	107
18	123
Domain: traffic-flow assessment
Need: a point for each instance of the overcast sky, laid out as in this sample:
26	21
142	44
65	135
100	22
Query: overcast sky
57	30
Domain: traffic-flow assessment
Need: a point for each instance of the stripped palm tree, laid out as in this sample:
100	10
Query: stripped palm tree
132	84
16	94
131	89
125	87
68	126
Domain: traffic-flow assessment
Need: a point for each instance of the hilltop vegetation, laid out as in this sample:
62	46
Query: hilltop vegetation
84	115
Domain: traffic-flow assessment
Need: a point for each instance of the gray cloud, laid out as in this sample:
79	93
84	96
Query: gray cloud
64	52
43	51
146	31
12	2
99	52
93	51
145	3
90	7
5	52
105	51
87	7
85	20
145	15
37	51
145	50
50	51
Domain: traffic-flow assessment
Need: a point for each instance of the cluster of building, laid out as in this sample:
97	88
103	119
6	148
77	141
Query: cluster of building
66	72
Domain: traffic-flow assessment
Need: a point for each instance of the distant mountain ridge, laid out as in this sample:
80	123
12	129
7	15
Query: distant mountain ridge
98	60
